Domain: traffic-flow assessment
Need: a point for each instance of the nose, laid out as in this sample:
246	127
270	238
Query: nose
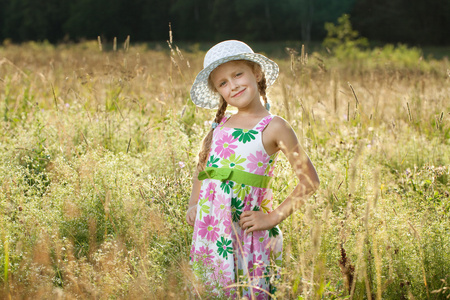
234	84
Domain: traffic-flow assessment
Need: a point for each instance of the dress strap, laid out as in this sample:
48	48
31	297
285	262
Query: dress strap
263	123
224	120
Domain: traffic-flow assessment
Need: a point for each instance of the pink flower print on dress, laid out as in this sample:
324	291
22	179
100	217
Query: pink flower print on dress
263	124
268	249
222	122
192	253
225	145
221	273
208	229
205	255
196	227
257	163
210	191
256	267
200	196
261	295
260	240
265	200
221	207
228	226
243	244
230	291
248	202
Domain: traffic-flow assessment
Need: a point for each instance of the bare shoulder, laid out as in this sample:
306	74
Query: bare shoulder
281	129
279	132
278	123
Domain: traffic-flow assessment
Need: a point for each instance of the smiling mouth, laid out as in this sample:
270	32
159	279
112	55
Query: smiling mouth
238	94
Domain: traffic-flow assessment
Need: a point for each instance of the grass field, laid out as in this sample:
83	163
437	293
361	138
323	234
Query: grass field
99	146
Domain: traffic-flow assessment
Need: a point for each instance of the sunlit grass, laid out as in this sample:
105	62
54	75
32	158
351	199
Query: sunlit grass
98	150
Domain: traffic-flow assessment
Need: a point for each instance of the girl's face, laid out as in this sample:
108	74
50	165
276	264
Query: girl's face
237	83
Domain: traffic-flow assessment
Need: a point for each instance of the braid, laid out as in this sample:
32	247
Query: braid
203	154
262	86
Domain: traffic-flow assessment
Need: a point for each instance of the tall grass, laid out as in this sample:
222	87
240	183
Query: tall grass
98	150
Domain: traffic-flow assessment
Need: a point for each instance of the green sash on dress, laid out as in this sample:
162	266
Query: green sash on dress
238	176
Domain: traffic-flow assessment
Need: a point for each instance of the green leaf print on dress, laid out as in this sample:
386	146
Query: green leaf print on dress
227	186
271	162
233	162
212	161
224	247
236	209
274	232
241	190
244	135
203	207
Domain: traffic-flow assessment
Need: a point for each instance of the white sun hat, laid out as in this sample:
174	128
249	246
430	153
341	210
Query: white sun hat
202	95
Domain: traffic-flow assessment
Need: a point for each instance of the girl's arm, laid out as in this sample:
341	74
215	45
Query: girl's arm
195	193
279	135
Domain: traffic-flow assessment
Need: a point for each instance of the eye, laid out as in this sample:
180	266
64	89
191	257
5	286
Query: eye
239	74
222	84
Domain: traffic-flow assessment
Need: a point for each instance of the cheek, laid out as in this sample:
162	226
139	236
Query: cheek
222	91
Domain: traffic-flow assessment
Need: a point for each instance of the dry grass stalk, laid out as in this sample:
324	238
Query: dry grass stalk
347	269
354	94
99	40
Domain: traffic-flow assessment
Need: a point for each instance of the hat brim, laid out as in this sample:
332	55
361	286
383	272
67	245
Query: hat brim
203	96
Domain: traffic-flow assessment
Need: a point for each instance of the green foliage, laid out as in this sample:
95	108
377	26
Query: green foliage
342	35
35	161
346	44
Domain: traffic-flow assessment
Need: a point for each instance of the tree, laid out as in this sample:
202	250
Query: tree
343	35
425	22
33	20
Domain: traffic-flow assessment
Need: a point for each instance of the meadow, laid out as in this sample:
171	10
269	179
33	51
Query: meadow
99	144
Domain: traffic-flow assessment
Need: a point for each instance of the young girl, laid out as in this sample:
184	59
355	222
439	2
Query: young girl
237	244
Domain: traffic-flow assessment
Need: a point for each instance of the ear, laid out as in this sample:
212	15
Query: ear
258	76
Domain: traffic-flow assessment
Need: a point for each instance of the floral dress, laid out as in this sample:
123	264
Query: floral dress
227	260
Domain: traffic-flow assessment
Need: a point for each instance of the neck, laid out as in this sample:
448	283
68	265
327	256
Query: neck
252	110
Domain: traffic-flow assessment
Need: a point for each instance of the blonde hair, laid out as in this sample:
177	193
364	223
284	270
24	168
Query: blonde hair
206	146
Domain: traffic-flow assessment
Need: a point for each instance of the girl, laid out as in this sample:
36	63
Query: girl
237	244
